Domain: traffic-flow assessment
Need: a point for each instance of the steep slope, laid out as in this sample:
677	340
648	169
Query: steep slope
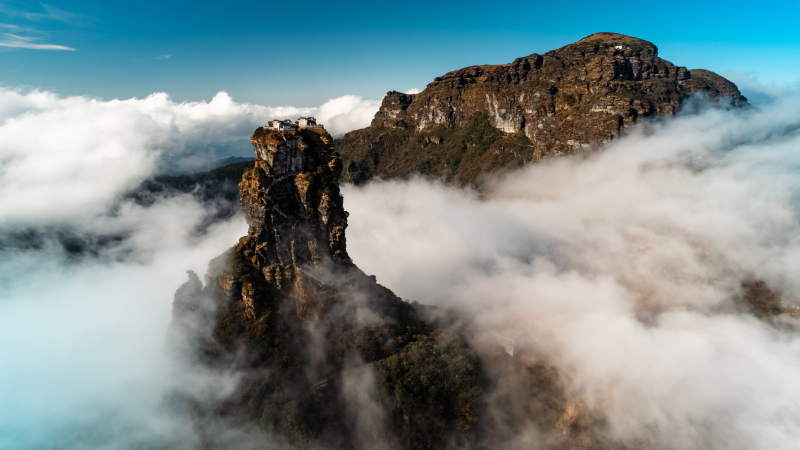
289	312
483	118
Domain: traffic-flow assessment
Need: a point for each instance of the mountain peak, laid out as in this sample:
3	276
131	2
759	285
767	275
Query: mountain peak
622	43
606	37
572	99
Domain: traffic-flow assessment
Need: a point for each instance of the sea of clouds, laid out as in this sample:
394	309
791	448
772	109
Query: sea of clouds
626	266
623	265
82	337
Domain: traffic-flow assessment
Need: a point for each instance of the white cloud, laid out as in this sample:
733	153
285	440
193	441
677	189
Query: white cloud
622	264
86	340
413	91
347	113
758	92
14	41
85	335
64	154
53	13
625	266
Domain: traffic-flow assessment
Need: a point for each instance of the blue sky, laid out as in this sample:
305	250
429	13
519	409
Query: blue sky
303	53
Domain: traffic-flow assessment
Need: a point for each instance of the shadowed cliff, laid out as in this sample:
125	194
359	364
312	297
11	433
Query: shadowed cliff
288	311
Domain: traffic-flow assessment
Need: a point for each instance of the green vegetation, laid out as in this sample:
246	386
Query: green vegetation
371	342
227	331
321	176
233	263
457	154
622	92
479	125
522	139
298	420
434	381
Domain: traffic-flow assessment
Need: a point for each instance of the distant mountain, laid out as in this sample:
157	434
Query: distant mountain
485	118
218	188
229	160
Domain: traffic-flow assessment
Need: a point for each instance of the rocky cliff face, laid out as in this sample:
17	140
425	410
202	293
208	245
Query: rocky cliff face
288	311
291	200
567	100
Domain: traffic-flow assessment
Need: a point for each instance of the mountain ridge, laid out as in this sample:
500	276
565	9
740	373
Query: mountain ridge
572	99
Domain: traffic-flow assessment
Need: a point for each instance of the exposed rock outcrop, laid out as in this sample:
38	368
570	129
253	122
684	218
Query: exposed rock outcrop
571	99
288	311
291	200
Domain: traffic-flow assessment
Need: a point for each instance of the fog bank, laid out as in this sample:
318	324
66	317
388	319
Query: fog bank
626	266
87	277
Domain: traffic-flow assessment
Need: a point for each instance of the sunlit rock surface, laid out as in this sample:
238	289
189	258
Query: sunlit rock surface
491	117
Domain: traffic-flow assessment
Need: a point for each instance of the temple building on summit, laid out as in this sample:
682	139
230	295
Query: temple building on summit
308	122
282	125
287	125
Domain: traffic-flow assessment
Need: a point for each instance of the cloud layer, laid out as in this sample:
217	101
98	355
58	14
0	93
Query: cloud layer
61	155
85	338
626	266
84	354
14	41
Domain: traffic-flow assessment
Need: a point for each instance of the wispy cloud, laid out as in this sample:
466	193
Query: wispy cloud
14	41
163	57
20	29
52	13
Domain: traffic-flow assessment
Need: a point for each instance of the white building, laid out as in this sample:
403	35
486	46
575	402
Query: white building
308	122
282	125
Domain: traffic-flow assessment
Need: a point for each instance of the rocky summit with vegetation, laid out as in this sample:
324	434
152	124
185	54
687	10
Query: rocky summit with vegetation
289	313
486	118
